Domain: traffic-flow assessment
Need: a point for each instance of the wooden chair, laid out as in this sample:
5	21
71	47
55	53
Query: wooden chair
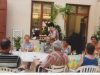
57	69
88	69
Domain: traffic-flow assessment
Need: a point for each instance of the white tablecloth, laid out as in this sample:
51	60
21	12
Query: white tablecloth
31	56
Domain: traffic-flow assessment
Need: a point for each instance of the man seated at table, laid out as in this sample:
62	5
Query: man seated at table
6	48
89	58
55	58
48	46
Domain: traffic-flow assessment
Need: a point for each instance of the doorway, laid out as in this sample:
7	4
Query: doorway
77	23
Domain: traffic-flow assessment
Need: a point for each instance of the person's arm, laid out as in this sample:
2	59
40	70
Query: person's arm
66	61
69	49
22	47
98	47
79	63
48	62
49	33
45	64
32	48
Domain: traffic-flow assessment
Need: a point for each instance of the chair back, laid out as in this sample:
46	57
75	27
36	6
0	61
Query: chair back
10	61
87	69
57	69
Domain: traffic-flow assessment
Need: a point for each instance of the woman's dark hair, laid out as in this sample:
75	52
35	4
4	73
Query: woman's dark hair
94	37
51	24
90	48
5	44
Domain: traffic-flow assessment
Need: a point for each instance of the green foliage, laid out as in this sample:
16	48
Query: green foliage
65	10
56	9
55	12
97	34
17	42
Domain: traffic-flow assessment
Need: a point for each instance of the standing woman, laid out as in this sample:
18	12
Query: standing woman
53	32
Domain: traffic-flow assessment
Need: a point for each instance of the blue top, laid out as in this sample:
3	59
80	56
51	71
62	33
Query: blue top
28	45
87	61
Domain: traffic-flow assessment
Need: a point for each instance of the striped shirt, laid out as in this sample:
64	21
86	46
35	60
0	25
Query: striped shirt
55	58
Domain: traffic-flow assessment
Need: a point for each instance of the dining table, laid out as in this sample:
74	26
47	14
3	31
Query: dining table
41	56
31	56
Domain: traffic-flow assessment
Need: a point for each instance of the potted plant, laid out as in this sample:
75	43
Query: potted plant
97	34
55	12
65	11
17	43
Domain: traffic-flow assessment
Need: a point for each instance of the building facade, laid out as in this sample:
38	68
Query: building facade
19	15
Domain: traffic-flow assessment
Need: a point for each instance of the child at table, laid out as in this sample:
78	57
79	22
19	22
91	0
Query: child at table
27	46
65	46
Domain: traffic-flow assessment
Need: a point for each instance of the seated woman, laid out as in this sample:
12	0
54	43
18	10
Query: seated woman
94	41
89	58
27	46
66	47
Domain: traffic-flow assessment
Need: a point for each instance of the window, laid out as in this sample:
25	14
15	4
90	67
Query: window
41	11
47	11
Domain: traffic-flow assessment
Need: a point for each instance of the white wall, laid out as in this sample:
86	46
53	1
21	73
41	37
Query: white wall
19	14
98	13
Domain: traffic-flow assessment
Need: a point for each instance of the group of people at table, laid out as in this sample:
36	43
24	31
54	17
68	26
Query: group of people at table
58	51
